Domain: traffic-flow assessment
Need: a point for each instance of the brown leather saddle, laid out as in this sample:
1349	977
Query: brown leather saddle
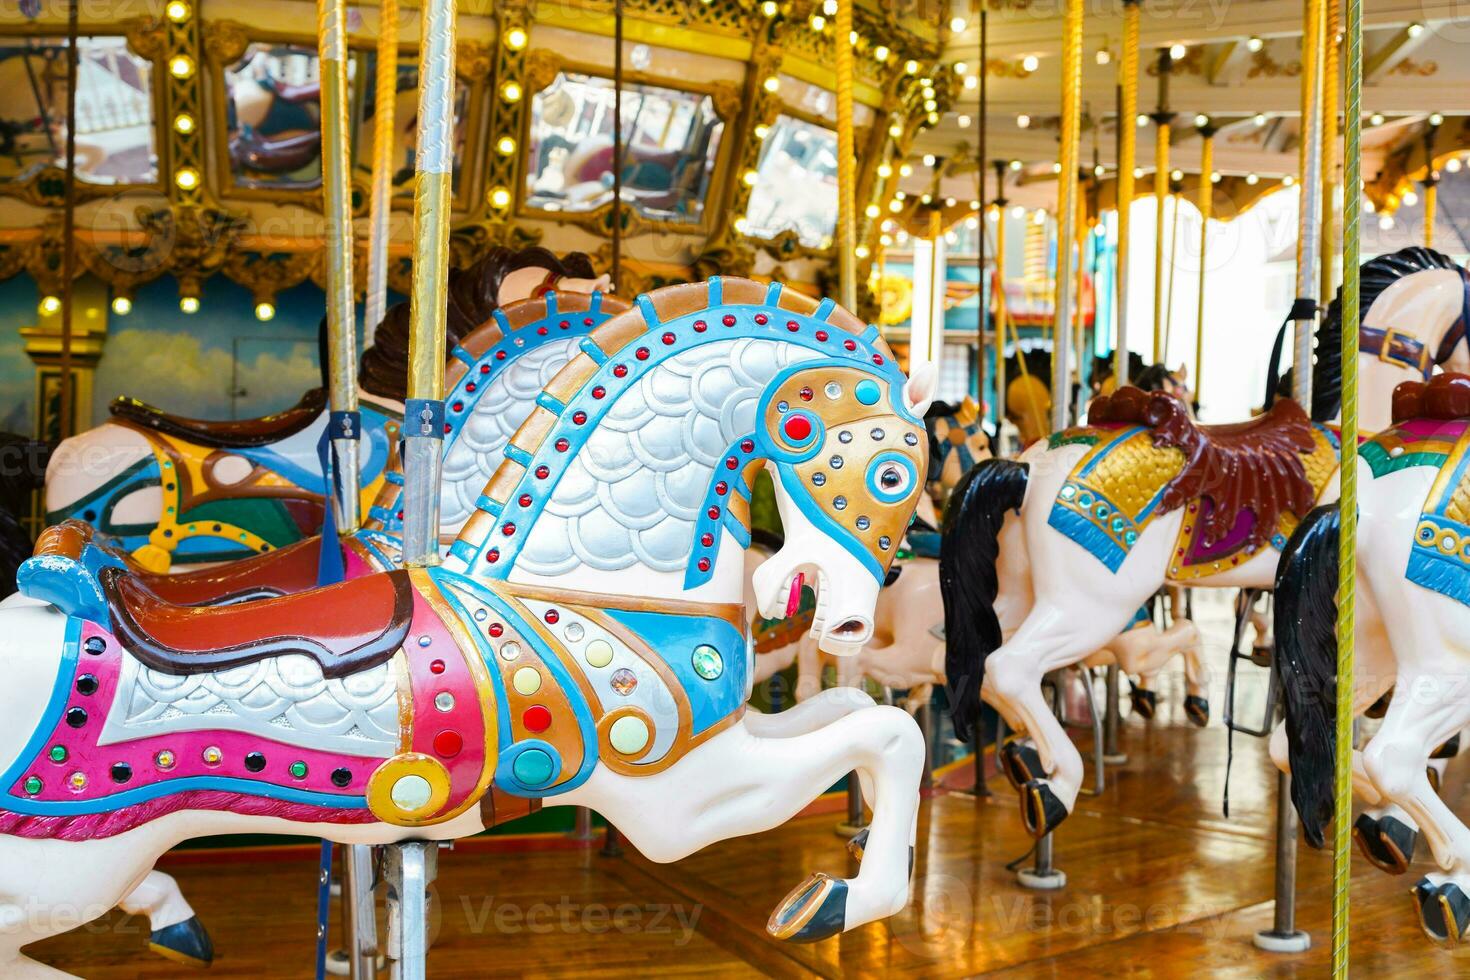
346	628
1256	465
282	571
230	434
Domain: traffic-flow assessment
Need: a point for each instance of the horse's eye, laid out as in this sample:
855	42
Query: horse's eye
893	478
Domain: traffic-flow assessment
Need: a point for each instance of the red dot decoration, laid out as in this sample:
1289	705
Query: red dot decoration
448	744
552	616
798	428
700	326
565	324
728	319
436	667
579	418
714	513
470	386
792	326
805	394
541	331
706	539
747	445
525	500
877	358
493	555
620	370
536	718
458	406
496	629
586	321
484	369
641	353
599	392
731	462
822	335
704	564
500	355
448	428
667	338
722	488
562	445
761	318
850	344
508	528
542	472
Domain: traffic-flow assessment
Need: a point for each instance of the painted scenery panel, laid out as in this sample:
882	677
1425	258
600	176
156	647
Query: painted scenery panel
114	110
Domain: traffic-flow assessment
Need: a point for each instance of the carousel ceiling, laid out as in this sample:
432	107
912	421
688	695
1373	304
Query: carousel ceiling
1236	67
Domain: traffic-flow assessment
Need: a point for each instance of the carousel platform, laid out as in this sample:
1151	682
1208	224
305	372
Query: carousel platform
1160	884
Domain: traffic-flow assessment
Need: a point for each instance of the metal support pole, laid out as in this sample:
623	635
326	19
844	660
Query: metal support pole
65	419
1284	936
1071	133
1431	184
410	869
846	238
1162	118
1127	157
1113	753
984	118
924	717
582	827
1304	311
1043	874
1332	200
1206	208
1000	298
360	911
344	423
612	843
385	146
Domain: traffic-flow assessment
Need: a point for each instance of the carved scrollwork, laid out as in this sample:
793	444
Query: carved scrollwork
1265	66
542	67
726	97
225	40
474	60
267	274
146	37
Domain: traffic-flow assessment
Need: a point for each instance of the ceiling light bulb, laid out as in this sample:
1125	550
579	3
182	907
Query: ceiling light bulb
1178	51
1103	56
1376	119
1254	44
1023	120
1030	62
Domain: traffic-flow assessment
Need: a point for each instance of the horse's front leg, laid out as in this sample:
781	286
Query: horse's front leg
176	932
739	783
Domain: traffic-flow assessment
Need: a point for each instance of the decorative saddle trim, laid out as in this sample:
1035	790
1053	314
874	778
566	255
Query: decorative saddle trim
1439	558
224	434
1394	347
346	628
1443	398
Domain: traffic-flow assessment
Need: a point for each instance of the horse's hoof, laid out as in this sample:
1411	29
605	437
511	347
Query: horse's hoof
1198	710
1145	702
1432	774
183	942
1387	843
1040	809
1444	911
1449	749
856	843
1022	762
815	909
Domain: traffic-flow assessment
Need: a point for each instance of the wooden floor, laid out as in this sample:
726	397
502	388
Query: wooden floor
1160	884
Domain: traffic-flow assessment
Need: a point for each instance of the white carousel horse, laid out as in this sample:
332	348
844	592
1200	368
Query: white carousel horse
495	374
1413	614
178	491
1143	650
584	641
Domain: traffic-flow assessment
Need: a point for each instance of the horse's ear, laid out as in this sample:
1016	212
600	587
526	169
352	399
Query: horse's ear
918	393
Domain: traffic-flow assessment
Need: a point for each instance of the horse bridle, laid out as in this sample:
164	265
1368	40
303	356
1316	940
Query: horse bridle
1395	347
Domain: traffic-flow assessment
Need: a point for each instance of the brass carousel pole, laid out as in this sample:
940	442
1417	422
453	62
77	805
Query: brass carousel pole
1127	156
1331	152
345	423
1284	936
64	419
1206	208
983	116
411	865
1162	117
1071	136
384	146
1431	183
1000	298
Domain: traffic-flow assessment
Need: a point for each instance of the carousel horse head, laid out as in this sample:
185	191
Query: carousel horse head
1028	405
957	441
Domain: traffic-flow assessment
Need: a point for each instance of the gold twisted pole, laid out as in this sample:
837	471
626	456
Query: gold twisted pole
1161	197
1206	208
423	417
1127	157
1331	152
1066	211
1348	503
846	177
380	206
1431	182
341	315
1310	211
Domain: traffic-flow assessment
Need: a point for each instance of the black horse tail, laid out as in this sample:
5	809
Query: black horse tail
1306	664
969	548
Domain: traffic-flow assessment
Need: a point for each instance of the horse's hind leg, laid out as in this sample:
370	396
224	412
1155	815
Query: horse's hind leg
177	933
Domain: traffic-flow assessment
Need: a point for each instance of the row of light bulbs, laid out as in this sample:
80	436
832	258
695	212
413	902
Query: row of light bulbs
122	305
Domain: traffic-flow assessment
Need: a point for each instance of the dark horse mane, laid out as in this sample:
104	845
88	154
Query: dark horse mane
473	296
1376	275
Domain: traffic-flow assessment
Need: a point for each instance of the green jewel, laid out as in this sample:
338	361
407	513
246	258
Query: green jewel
33	785
298	769
707	662
58	753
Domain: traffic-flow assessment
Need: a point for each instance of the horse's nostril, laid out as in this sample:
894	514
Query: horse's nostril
851	629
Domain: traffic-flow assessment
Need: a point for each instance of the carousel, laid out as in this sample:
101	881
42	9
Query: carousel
733	487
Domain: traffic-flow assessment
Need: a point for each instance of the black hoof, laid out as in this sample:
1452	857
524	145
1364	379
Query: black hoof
1388	844
1444	911
857	842
1040	809
1198	710
183	942
816	909
1022	762
1261	654
1145	702
1379	708
1449	749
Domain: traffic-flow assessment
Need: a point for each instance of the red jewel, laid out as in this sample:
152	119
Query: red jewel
641	353
484	369
493	555
850	344
599	392
448	744
806	394
565	324
821	335
731	462
877	358
436	667
562	445
667	338
706	539
525	500
579	417
469	386
700	326
620	370
793	326
458	406
496	629
552	616
714	513
508	528
722	488
728	319
542	472
400	515
704	564
747	446
541	331
536	718
797	427
448	428
587	321
761	319
500	355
